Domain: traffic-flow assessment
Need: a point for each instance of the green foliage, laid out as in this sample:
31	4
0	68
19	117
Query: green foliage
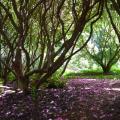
1	89
34	93
56	81
11	77
35	77
116	70
0	81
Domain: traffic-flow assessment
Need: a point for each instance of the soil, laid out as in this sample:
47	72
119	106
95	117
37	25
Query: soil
81	99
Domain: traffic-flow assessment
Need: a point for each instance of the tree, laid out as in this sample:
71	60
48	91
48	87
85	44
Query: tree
44	34
104	45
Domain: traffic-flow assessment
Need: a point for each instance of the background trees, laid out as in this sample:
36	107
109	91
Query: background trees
104	48
104	45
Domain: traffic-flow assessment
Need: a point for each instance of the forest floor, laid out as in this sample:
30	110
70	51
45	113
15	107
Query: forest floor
81	99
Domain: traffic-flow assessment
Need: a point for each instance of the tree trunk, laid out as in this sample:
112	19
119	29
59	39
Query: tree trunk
22	81
23	84
5	80
5	76
106	69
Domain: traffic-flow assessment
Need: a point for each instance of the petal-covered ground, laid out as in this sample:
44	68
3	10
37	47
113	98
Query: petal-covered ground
81	99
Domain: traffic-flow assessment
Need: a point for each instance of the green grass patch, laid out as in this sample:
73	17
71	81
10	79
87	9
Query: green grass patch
93	74
0	81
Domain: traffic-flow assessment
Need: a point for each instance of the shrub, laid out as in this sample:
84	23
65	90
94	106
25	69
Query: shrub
56	81
11	77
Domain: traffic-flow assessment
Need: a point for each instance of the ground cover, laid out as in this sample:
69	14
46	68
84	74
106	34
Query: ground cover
81	99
